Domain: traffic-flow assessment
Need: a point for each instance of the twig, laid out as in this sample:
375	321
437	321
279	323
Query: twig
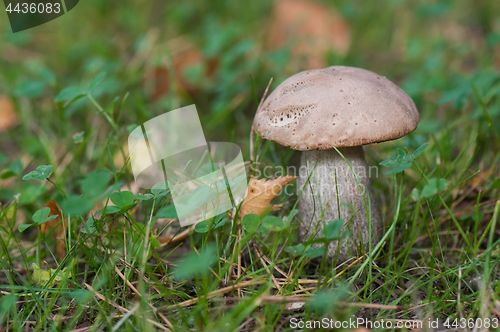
166	240
221	291
348	267
122	309
281	249
165	319
287	280
303	298
459	304
283	273
302	290
132	287
260	254
144	277
239	259
125	317
83	329
235	265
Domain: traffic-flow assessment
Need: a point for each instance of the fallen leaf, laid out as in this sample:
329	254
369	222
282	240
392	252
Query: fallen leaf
59	233
480	178
8	115
41	276
188	57
311	28
261	192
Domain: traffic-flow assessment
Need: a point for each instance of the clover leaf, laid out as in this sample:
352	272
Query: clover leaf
275	224
39	217
41	173
402	160
251	222
123	199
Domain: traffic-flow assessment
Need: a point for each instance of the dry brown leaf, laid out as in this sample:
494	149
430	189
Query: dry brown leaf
169	239
261	192
480	178
181	61
8	115
59	229
312	28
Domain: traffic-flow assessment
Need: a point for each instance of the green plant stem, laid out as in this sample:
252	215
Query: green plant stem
455	221
57	187
38	253
101	110
382	240
486	112
494	220
146	247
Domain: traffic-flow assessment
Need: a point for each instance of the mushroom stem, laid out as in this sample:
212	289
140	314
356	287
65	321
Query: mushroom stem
336	191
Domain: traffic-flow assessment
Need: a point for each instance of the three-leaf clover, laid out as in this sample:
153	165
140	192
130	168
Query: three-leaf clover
275	224
168	211
302	250
402	160
251	222
196	263
204	226
124	200
41	173
39	217
76	205
72	93
143	197
434	186
330	231
160	189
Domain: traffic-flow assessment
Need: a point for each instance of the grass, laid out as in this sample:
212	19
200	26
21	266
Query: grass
121	271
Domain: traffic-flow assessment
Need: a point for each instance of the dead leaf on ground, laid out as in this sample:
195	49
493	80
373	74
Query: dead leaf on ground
119	159
480	178
160	81
59	233
311	28
42	276
8	115
261	192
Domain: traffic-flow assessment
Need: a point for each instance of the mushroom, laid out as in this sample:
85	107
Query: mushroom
321	110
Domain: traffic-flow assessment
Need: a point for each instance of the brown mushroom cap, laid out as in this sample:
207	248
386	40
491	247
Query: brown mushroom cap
335	107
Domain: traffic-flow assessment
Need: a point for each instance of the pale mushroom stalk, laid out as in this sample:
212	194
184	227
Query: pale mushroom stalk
349	197
344	108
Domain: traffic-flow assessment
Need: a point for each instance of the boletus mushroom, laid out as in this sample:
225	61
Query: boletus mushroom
329	114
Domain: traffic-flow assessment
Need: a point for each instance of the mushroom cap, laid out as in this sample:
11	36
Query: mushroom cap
336	106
